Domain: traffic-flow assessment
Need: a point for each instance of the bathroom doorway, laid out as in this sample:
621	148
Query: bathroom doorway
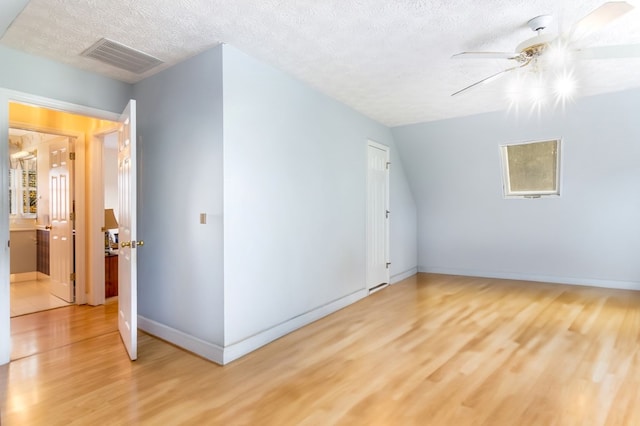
40	277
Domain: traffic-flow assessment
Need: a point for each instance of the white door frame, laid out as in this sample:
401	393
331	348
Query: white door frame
7	96
96	216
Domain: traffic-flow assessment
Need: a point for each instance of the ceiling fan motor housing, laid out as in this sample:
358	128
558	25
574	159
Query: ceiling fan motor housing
539	23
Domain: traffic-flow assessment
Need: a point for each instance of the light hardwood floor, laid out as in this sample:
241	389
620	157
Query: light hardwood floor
432	350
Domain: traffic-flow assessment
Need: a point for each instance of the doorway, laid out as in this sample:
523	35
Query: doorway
58	201
41	258
94	245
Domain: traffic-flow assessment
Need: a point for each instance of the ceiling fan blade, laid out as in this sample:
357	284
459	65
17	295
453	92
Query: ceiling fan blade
490	78
486	55
600	17
609	52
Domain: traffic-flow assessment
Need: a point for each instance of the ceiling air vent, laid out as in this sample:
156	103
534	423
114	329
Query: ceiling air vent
121	56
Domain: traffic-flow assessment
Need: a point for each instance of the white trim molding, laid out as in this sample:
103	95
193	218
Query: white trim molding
243	347
396	278
23	276
41	101
589	282
224	355
205	349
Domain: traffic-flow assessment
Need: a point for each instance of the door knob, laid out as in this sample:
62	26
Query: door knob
125	244
48	227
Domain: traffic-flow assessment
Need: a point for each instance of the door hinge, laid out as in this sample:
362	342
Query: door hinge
388	264
72	216
387	214
72	156
388	165
72	276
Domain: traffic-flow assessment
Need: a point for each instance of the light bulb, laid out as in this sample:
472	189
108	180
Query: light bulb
565	85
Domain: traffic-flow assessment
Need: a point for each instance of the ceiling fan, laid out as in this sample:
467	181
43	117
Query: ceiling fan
530	51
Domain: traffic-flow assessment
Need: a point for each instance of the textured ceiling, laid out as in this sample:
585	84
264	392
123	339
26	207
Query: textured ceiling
389	59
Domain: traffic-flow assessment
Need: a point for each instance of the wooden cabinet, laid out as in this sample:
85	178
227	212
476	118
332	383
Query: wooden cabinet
43	251
110	275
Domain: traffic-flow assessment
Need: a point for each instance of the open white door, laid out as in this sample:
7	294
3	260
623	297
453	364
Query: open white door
377	216
127	259
62	224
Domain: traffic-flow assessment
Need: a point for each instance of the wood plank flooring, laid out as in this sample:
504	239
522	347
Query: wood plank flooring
432	350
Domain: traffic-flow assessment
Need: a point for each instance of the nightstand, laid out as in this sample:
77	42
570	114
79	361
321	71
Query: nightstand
110	275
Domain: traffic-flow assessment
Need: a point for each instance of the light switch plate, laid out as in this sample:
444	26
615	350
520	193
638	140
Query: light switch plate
203	218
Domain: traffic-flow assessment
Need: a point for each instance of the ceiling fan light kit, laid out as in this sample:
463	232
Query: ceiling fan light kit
539	89
551	58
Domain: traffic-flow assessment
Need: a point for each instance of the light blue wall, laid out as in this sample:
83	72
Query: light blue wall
43	77
587	236
180	270
294	186
280	171
32	75
403	227
295	199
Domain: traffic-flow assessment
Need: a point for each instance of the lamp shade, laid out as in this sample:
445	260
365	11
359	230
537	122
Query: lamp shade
110	221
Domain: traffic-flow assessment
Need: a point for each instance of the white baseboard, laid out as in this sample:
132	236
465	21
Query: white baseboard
236	350
591	282
207	350
404	275
243	347
23	276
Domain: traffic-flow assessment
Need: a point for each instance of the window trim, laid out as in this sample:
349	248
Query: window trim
506	184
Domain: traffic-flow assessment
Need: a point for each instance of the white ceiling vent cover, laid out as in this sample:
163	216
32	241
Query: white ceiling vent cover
121	56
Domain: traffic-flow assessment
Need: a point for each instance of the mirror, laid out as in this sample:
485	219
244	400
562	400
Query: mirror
29	175
23	175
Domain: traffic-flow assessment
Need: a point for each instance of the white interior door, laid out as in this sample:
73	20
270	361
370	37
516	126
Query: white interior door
61	259
377	216
127	259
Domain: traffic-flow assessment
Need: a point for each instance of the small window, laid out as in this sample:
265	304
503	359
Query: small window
531	169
